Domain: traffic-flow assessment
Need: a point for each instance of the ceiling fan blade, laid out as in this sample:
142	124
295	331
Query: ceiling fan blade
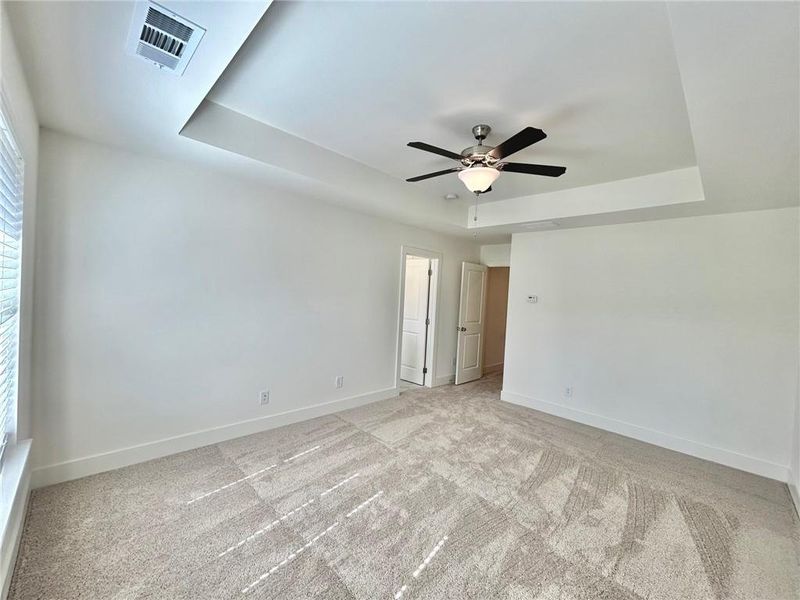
526	137
435	150
436	174
546	170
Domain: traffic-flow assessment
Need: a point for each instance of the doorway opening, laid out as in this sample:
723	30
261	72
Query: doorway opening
418	317
494	341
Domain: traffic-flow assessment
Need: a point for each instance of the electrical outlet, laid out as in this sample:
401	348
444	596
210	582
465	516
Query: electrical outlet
263	397
568	391
339	381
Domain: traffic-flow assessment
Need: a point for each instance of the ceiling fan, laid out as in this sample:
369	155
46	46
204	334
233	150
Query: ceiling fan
481	165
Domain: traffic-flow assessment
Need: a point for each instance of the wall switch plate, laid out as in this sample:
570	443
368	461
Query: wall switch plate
339	381
568	391
263	397
533	299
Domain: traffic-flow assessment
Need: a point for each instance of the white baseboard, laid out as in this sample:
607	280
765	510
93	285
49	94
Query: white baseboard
106	461
495	368
15	479
444	380
658	438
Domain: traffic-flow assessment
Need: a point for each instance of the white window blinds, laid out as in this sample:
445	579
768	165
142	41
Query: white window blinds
11	171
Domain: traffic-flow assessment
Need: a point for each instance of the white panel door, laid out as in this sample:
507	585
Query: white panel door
415	314
471	311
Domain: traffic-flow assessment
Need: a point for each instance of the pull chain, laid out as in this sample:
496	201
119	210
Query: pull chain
475	216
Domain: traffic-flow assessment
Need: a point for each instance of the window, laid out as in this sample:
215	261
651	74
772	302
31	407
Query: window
11	171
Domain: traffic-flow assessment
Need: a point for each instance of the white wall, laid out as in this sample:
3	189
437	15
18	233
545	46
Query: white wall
681	332
496	255
794	481
168	296
14	477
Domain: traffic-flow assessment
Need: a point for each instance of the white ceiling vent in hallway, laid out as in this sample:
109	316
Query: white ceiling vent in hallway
162	37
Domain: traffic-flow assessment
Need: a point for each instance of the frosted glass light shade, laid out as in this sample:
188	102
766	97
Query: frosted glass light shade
478	179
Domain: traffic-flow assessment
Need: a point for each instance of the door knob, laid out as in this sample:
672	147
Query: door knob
461	328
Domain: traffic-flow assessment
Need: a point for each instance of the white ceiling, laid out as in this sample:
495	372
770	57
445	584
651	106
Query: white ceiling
322	97
364	78
84	82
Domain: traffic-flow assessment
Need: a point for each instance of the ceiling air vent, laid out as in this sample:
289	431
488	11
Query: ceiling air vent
162	37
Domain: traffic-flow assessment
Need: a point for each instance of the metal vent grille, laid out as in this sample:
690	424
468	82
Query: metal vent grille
168	25
158	57
162	41
163	37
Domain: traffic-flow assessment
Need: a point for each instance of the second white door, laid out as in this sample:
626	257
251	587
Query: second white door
471	311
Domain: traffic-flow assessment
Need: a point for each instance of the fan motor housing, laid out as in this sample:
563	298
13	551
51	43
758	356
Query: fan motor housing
477	154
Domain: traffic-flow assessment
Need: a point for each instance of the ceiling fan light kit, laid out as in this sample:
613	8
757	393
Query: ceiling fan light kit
481	165
478	179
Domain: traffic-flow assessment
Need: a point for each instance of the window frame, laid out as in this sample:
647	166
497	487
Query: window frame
9	144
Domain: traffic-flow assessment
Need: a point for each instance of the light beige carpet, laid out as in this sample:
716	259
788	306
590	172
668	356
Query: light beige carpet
443	494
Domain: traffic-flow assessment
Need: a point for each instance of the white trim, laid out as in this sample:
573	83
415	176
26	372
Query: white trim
114	459
658	438
444	380
434	335
795	494
14	492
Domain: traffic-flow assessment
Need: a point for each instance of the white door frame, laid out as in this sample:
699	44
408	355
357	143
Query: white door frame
436	281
